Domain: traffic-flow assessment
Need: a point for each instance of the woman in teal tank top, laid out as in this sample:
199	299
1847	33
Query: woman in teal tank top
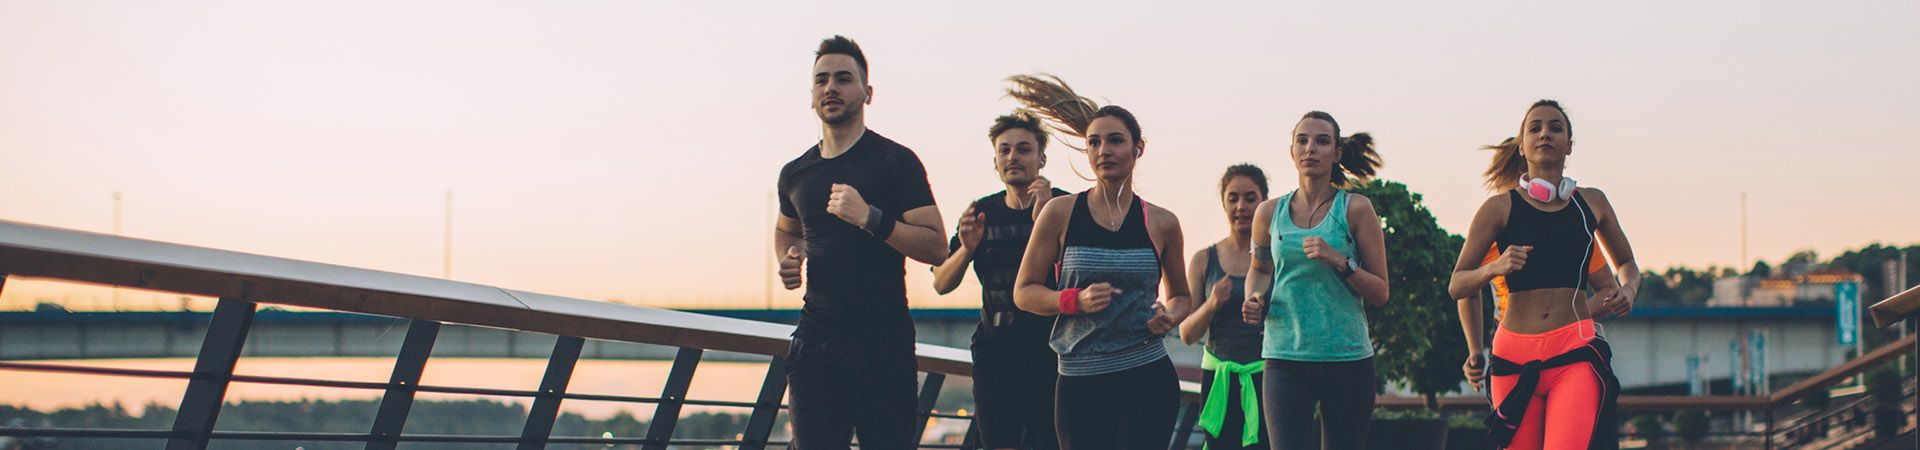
1319	255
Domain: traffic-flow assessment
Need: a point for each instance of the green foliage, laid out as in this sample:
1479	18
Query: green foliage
1649	427
1468	421
1818	399
1410	414
1417	334
1678	286
1883	384
1691	426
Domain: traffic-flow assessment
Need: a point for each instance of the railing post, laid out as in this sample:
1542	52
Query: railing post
929	395
767	406
398	400
553	385
972	439
212	371
1184	433
1770	427
667	413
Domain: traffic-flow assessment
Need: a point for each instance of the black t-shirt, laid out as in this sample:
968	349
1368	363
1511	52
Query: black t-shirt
856	283
996	262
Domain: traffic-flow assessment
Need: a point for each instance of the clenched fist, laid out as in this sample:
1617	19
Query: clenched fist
790	268
846	203
1254	311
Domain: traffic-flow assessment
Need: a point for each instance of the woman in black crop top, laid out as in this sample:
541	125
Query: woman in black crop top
1534	240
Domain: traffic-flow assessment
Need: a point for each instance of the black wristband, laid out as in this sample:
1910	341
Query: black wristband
879	223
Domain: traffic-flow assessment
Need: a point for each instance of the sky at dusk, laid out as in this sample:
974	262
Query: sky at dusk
628	150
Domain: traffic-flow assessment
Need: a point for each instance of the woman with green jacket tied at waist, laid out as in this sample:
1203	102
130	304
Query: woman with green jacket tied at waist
1230	415
1319	253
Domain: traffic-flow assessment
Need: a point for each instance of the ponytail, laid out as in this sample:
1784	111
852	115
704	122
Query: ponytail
1357	156
1358	161
1066	111
1507	165
1051	98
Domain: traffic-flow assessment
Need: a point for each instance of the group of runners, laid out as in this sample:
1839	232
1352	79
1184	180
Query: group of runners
1080	289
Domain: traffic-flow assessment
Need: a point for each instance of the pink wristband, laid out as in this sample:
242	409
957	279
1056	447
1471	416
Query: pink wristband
1070	301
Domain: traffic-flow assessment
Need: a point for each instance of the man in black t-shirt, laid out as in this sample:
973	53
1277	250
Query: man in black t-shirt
1013	368
851	208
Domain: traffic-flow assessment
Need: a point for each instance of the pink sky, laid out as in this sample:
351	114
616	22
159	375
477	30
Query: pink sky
614	150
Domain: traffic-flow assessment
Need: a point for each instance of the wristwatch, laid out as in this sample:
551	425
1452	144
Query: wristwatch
1353	266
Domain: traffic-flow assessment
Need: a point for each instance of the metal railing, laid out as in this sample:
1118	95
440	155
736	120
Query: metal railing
242	281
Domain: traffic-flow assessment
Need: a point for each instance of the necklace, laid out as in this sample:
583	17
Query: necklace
1316	210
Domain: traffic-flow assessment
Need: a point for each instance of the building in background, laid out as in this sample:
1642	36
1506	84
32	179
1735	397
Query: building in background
1790	285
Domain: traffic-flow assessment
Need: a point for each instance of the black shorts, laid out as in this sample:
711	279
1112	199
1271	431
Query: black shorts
1013	395
836	389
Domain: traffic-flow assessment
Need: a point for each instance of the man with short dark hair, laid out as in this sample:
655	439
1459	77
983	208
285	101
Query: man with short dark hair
851	208
1013	368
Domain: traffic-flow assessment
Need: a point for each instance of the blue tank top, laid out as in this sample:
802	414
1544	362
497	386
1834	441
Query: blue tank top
1314	316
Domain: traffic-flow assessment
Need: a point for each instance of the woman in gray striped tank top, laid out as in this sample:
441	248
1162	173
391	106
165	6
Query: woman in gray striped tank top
1113	252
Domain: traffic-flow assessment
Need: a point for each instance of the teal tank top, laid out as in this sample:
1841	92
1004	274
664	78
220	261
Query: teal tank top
1314	316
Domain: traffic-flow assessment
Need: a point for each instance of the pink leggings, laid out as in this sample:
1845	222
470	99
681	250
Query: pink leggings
1566	404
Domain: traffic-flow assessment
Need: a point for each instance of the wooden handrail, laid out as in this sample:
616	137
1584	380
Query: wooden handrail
1899	306
1830	376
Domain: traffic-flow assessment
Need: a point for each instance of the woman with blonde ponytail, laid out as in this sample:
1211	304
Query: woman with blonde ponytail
1113	253
1538	242
1318	254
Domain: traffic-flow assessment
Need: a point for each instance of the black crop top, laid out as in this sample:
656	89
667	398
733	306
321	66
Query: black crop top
1562	243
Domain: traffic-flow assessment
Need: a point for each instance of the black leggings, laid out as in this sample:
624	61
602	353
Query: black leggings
1230	429
1129	409
1342	391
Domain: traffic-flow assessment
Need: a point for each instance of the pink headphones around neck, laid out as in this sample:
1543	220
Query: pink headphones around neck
1545	191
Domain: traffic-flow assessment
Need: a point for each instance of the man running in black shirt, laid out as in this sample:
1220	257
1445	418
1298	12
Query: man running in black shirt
1013	368
850	208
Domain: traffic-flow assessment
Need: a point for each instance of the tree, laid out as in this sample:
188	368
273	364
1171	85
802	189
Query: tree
1691	287
1760	269
1656	290
1807	256
1883	386
1691	426
1416	336
1649	427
